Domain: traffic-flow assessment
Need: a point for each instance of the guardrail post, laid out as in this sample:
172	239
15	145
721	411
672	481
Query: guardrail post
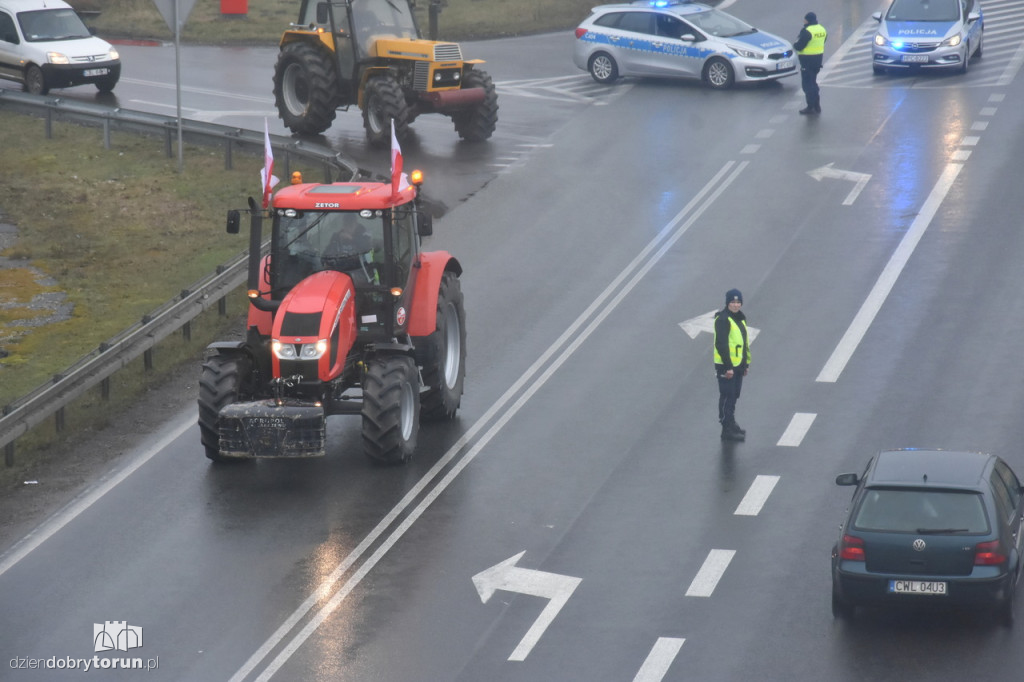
105	388
106	133
168	144
227	154
186	331
147	359
9	448
49	124
59	419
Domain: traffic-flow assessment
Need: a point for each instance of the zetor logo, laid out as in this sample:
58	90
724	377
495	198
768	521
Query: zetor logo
327	204
115	634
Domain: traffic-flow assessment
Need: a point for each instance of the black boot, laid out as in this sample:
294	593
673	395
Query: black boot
736	427
729	433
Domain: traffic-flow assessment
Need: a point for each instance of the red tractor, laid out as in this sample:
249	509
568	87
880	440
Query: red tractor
346	316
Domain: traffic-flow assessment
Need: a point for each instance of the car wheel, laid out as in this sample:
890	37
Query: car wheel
718	73
878	70
841	609
35	81
1007	608
603	68
981	42
966	62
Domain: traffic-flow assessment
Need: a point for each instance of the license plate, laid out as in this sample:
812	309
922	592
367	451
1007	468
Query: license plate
94	72
916	587
783	65
915	58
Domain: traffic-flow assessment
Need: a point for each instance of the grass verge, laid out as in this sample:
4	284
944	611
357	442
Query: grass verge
264	20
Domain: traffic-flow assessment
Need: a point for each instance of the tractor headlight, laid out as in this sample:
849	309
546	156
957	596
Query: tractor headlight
283	351
303	351
313	351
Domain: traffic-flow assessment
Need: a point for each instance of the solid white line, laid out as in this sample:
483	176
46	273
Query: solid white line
49	528
797	429
658	661
866	315
669	234
710	573
756	496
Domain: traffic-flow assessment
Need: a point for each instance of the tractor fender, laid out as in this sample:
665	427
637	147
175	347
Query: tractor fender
423	313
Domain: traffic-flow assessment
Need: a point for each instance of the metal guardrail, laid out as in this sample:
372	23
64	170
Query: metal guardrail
96	367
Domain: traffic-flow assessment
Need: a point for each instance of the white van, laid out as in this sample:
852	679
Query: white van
44	44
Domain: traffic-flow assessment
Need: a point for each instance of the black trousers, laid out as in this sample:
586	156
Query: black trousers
728	394
809	83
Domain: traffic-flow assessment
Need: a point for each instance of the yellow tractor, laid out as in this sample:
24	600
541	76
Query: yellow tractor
370	53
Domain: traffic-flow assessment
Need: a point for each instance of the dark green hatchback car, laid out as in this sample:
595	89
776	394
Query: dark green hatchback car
931	527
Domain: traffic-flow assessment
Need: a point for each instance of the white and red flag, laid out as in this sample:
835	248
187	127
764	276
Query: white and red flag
399	180
267	172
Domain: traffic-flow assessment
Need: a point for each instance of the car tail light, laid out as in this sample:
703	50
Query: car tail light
852	548
580	32
989	553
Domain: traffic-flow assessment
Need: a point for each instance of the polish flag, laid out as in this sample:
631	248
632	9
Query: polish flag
267	172
399	180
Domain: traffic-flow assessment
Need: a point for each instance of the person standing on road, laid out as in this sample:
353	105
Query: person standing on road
732	361
810	46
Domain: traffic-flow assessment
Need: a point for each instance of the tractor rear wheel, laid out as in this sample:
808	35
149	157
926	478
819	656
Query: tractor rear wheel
383	103
305	84
222	381
477	124
445	373
391	409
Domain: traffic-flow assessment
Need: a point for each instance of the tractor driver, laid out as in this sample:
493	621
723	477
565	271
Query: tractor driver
350	249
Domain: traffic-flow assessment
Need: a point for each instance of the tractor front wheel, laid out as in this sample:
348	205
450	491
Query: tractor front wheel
305	84
383	102
391	409
444	374
222	381
477	124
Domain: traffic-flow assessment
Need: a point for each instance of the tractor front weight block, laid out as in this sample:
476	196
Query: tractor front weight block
269	429
453	100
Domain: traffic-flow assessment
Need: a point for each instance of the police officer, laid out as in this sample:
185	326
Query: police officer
732	359
810	46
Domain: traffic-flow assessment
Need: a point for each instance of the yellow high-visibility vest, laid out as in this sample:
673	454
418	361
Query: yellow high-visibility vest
817	42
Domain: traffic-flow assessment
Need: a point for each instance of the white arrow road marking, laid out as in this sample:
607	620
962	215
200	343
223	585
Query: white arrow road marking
798	427
706	323
710	573
756	496
859	179
511	578
659	660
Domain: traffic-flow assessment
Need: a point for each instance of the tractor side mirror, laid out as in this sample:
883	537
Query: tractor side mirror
425	224
322	16
233	222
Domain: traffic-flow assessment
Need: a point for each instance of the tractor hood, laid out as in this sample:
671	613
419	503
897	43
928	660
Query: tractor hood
314	327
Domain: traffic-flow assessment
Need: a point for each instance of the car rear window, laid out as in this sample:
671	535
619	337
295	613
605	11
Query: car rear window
920	511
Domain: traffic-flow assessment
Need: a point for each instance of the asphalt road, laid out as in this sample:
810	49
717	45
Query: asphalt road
877	248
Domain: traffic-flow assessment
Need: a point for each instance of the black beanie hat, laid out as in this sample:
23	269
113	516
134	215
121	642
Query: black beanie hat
733	295
811	18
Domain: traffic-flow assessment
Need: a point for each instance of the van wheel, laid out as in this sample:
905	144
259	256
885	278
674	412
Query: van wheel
35	82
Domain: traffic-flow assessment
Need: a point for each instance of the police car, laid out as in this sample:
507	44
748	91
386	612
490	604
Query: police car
928	34
44	44
672	38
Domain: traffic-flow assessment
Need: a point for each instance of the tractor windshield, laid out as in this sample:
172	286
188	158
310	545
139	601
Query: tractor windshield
374	19
348	241
311	241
